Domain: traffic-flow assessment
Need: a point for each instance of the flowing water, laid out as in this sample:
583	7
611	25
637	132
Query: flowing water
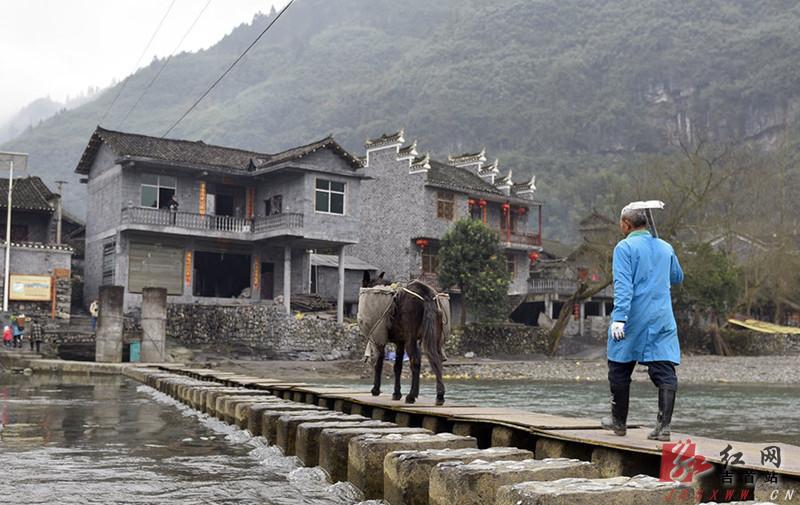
735	412
109	440
70	440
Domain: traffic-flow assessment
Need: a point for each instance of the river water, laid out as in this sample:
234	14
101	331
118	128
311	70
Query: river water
74	440
109	440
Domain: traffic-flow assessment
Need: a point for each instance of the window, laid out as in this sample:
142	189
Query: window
511	264
329	197
109	253
476	212
157	190
430	261
444	205
273	205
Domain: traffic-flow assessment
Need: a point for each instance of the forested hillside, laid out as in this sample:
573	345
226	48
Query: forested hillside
572	90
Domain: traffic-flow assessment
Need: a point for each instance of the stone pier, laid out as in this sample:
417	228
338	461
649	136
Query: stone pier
406	473
334	446
285	434
308	434
108	347
476	483
367	452
639	490
154	325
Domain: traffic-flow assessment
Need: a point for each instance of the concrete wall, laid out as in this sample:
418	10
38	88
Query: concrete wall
328	283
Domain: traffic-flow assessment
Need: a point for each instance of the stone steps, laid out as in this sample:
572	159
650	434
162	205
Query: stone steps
406	465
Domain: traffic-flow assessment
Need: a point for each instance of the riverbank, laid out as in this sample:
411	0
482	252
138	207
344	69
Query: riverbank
693	370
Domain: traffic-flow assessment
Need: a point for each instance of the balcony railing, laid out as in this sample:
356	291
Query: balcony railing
560	287
531	239
206	222
277	221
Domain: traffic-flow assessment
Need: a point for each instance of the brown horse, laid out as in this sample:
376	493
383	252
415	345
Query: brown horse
414	325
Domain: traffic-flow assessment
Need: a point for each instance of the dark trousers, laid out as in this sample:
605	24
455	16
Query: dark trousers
662	373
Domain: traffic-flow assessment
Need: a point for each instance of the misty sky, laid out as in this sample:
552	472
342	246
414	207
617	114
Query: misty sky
61	47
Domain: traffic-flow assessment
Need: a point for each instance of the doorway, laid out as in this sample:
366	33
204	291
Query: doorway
267	281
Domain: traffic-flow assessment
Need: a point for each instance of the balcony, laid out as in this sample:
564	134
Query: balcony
561	287
519	240
144	218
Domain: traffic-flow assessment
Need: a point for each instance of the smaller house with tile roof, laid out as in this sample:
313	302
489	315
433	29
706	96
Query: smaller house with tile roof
411	200
39	267
214	224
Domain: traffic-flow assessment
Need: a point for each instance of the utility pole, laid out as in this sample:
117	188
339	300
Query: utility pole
22	160
59	206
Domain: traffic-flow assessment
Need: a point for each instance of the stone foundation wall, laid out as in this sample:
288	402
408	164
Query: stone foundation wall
751	343
260	330
501	340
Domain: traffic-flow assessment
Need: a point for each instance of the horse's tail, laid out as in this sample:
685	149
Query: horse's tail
430	323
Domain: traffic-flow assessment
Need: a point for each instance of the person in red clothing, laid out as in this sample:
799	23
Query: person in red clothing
7	336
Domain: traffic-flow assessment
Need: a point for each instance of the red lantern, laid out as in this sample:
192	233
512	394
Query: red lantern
534	256
422	243
472	202
482	203
505	208
576	311
522	211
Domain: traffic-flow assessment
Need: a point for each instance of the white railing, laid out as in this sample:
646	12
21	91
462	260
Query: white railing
190	220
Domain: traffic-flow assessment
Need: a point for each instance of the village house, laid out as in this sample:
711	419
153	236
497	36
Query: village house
215	224
40	264
411	200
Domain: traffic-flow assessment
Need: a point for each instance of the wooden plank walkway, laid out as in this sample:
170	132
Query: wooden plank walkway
568	429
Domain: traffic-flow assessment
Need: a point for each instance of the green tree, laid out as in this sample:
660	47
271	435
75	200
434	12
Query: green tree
471	259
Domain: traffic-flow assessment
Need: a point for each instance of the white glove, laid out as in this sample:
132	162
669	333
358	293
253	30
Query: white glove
617	330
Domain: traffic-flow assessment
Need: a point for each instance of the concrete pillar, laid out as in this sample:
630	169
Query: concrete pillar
548	306
154	325
108	347
340	293
287	279
603	308
581	316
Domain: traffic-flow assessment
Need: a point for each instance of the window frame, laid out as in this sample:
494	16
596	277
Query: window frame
431	254
330	192
444	200
158	187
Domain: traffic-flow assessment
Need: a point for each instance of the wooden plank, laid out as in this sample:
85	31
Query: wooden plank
709	448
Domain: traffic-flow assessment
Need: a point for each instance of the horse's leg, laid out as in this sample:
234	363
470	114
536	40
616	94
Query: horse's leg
415	362
435	361
398	369
376	383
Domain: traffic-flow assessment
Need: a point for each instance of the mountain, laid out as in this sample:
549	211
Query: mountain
40	109
574	91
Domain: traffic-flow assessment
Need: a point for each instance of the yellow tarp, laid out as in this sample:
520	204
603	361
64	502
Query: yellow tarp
761	326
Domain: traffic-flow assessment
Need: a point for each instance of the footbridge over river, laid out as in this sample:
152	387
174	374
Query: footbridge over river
470	454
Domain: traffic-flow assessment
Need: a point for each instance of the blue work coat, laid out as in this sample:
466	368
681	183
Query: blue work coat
644	269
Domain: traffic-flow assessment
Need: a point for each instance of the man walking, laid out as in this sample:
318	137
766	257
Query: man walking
643	327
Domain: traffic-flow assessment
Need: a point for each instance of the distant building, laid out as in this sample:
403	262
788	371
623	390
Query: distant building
411	200
40	266
212	223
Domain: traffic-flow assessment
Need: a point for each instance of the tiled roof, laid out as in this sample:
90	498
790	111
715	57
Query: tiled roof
195	152
29	193
409	150
467	157
301	151
386	138
332	261
458	179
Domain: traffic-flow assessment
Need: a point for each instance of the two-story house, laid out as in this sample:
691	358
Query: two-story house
40	264
410	201
212	223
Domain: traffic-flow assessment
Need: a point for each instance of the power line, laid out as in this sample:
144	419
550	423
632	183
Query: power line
227	70
164	65
125	82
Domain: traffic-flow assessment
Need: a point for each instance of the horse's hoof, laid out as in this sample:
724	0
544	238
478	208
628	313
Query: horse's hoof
397	397
440	400
375	392
410	399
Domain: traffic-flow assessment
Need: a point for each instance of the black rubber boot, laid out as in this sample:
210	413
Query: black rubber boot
618	422
666	404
